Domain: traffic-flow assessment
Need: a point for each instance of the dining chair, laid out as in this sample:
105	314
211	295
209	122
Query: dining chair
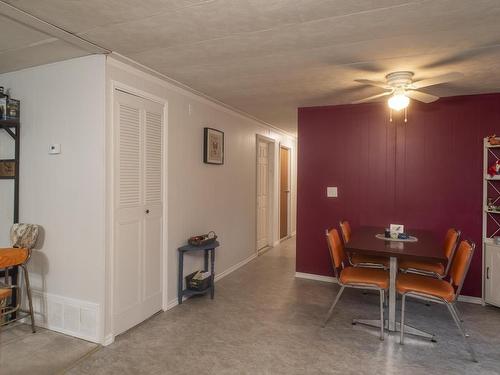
354	277
359	260
434	269
438	290
23	238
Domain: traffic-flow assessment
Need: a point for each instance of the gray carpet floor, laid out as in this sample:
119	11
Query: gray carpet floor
265	321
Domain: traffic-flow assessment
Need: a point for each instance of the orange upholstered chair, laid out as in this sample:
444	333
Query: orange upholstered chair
354	277
437	290
359	260
23	238
435	269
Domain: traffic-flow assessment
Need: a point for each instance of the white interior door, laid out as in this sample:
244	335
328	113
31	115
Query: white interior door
137	287
262	194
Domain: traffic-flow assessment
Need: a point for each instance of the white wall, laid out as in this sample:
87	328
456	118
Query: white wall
64	103
68	194
205	197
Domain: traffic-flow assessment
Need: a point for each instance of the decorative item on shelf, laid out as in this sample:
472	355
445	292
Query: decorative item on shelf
199	280
396	230
494	169
203	239
493	140
490	204
213	146
7	169
9	107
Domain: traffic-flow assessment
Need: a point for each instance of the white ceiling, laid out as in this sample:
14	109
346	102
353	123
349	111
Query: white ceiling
268	57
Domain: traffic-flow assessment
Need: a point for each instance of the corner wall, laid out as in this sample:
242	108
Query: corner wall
64	103
202	197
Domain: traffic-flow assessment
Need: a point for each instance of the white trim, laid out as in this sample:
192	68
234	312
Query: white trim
235	267
294	233
108	340
264	250
152	75
312	276
469	299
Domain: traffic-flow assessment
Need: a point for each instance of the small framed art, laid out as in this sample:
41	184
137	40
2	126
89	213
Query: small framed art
213	146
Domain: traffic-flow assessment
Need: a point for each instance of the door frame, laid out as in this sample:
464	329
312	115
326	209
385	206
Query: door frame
289	198
110	203
271	189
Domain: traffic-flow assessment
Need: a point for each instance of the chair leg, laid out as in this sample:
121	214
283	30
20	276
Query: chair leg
333	306
30	301
382	301
402	323
456	318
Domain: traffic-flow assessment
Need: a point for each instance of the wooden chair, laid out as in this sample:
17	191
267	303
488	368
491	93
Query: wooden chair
435	269
437	290
354	277
358	260
23	238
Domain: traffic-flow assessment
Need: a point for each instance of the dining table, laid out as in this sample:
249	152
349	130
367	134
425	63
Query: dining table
422	245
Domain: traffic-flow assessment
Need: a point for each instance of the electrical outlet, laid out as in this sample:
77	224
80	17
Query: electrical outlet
331	192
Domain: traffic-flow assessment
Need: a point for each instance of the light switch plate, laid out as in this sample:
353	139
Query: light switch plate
331	192
55	149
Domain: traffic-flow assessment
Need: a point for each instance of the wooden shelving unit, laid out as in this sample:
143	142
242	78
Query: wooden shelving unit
491	227
12	127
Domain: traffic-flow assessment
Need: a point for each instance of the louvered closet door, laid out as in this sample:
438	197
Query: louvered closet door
137	287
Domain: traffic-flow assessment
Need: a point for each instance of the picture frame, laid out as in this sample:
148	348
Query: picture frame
213	146
7	169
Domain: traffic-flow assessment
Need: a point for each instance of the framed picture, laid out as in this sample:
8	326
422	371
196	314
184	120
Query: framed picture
213	146
7	169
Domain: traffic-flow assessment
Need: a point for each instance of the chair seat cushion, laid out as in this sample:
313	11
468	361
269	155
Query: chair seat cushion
12	257
407	282
5	292
358	259
434	267
366	276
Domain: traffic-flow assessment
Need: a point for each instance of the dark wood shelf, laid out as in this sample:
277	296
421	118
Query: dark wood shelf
9	123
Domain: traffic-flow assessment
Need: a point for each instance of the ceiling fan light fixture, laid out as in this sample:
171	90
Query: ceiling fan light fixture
398	102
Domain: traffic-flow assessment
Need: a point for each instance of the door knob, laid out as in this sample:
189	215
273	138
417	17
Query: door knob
147	211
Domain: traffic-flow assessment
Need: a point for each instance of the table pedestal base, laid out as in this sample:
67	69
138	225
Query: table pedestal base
408	329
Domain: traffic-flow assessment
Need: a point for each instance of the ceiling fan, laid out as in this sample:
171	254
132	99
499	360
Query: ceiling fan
400	87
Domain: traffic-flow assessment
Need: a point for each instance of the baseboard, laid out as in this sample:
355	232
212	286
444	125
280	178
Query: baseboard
293	234
276	243
469	299
235	267
174	302
312	276
263	250
67	315
108	340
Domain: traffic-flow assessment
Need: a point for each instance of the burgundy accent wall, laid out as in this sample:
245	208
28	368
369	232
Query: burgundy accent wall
425	174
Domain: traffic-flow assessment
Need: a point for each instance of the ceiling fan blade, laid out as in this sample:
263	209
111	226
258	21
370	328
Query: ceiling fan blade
384	85
421	96
372	97
437	80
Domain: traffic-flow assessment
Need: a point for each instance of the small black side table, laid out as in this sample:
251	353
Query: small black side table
210	248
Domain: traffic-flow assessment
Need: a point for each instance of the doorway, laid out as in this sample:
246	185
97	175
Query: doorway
265	158
138	209
284	191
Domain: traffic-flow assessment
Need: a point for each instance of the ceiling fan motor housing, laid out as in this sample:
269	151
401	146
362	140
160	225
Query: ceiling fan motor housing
399	80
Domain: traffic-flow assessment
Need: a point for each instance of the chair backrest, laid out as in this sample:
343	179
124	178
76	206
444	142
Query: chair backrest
24	235
336	248
460	264
451	240
345	227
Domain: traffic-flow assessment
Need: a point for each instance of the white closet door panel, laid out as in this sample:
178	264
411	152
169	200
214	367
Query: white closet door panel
153	156
129	158
152	255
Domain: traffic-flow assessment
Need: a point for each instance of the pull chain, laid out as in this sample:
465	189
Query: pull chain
406	113
390	115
